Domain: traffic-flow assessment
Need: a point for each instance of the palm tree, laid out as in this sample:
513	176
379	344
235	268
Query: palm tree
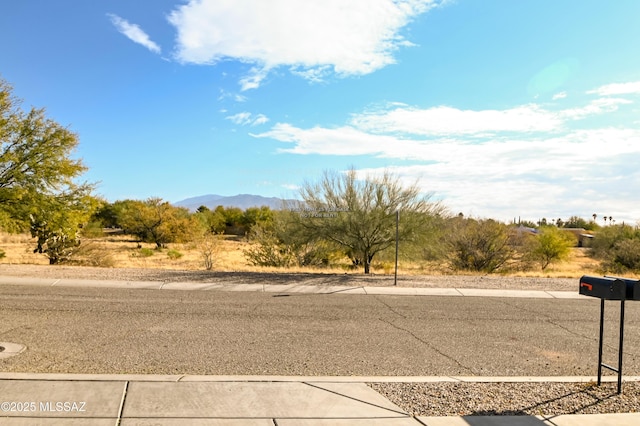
594	217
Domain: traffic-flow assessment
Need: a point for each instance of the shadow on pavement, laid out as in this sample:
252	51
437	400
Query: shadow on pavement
524	416
507	420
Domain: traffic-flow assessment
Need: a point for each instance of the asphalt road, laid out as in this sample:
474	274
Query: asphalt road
91	330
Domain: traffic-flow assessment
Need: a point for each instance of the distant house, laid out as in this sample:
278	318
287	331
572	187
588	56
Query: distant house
526	230
582	236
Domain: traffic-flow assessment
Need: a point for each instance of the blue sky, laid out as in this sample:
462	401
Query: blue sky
500	108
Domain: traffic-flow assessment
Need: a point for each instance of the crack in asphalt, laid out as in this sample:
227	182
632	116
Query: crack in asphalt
548	320
412	334
429	345
389	307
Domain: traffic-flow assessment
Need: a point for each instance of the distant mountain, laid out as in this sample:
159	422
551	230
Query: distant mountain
242	201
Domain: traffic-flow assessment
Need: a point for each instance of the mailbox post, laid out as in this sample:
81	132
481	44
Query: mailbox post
609	288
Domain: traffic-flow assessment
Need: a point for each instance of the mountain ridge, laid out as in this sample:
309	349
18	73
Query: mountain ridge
242	201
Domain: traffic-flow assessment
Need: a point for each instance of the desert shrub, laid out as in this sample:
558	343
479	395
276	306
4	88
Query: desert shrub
59	246
578	222
254	215
478	245
212	220
267	249
145	252
233	217
92	229
92	254
551	245
624	256
11	225
2	254
607	237
283	242
157	221
174	254
209	245
618	247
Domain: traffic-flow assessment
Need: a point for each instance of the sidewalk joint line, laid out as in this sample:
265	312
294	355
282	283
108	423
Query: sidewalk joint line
356	399
549	419
419	421
346	289
124	397
55	282
459	292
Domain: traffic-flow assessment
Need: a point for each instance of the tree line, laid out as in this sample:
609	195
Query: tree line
339	216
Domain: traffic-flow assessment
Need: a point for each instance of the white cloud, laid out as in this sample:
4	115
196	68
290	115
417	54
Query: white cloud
631	88
254	78
498	163
596	107
134	33
574	174
560	95
443	120
291	186
229	95
312	38
248	119
260	119
340	141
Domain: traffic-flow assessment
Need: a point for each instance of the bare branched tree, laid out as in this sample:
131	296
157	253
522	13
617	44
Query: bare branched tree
359	215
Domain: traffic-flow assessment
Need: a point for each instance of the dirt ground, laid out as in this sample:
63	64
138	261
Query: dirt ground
269	278
128	260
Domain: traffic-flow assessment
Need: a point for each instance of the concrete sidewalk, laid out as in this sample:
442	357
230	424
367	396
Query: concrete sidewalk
292	288
58	399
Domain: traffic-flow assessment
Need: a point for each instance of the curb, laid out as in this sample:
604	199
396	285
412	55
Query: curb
310	379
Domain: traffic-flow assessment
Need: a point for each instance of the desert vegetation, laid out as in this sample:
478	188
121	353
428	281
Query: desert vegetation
343	222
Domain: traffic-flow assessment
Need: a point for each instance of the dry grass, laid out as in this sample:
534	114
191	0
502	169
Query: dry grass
124	252
18	248
579	264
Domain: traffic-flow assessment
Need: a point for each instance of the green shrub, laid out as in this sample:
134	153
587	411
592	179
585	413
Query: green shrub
606	239
145	252
618	247
551	245
92	230
478	245
625	256
267	249
174	254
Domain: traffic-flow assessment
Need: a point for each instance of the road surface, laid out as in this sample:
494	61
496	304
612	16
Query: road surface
115	331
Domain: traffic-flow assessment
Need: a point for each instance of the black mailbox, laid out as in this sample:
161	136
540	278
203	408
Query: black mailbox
610	288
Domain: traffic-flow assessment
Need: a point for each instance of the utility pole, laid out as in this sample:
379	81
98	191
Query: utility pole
395	277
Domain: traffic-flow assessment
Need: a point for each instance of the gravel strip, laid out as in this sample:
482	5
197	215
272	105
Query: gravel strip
267	278
510	399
